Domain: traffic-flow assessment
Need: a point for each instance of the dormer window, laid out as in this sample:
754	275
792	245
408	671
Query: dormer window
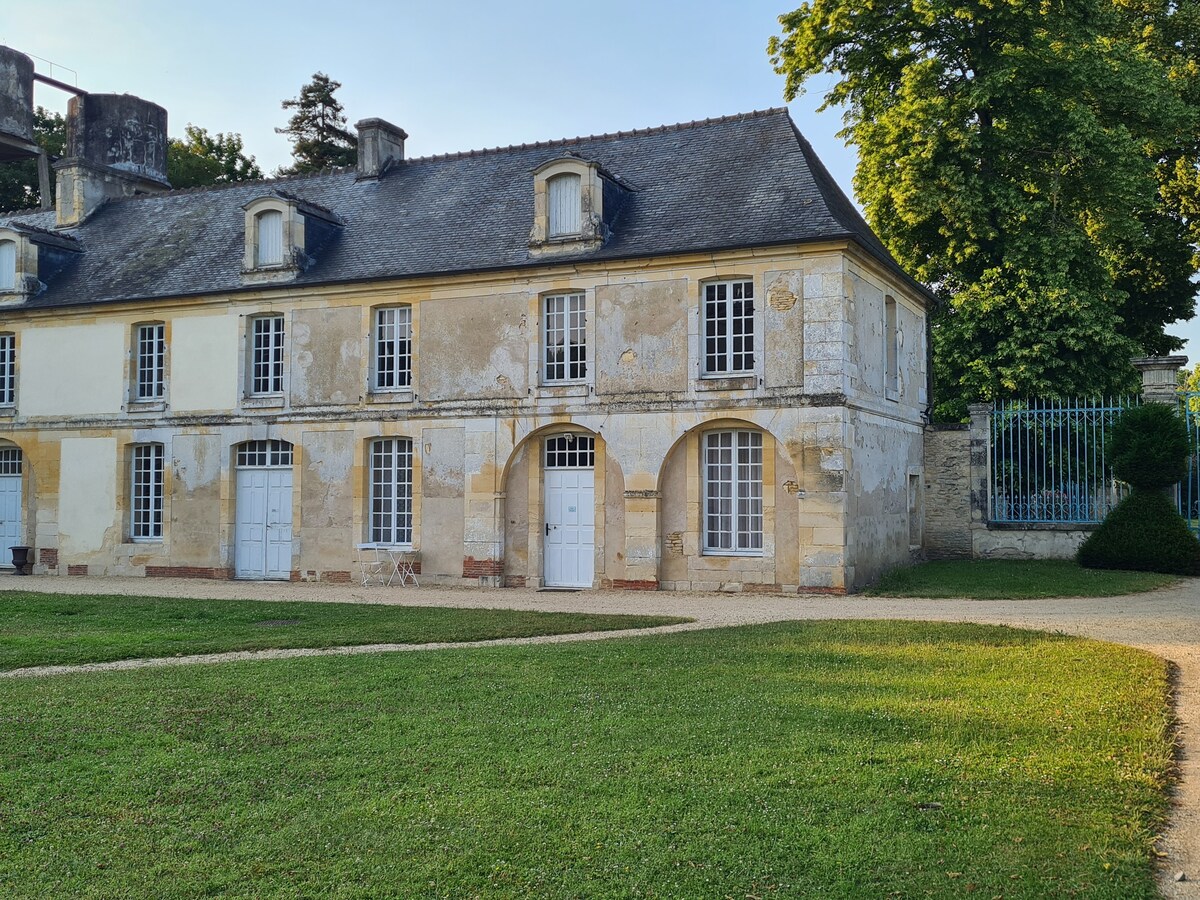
8	266
564	197
269	248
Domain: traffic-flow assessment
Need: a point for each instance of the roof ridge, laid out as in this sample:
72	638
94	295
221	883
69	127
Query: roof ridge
33	210
250	182
636	132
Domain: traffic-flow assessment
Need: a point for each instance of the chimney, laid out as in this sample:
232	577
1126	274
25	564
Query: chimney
380	145
16	106
116	147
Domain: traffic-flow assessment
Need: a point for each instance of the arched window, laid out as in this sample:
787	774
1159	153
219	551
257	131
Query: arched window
8	265
733	492
269	250
564	203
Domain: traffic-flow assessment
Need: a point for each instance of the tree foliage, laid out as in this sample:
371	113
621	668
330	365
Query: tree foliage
19	187
1148	446
317	129
200	158
1035	163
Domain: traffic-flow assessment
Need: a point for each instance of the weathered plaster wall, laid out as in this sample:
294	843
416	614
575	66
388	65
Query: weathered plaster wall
443	490
327	501
476	347
195	503
327	348
88	521
784	317
204	360
516	517
642	335
73	370
947	493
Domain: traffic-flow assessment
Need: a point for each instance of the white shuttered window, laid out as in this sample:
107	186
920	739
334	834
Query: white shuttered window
564	205
8	265
270	239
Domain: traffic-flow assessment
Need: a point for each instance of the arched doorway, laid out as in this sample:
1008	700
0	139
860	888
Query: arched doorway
12	506
569	509
263	524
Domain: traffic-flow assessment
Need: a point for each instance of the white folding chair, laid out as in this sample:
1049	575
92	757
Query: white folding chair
373	563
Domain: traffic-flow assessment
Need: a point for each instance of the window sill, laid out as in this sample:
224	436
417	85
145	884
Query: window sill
892	394
8	412
146	542
727	383
270	401
565	389
403	395
146	406
738	554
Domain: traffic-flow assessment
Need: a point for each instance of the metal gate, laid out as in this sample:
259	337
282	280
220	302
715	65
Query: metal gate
1189	488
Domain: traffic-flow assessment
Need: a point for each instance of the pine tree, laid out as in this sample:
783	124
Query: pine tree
317	129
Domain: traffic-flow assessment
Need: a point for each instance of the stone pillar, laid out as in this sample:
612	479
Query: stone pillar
641	541
1160	377
981	452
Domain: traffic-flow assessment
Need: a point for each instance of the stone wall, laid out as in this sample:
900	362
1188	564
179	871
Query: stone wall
947	492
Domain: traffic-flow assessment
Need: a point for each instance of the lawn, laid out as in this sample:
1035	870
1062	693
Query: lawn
1012	579
45	629
816	759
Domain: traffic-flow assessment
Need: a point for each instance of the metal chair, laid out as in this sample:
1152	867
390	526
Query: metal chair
374	562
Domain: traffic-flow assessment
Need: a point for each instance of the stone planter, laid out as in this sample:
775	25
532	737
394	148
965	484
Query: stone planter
20	559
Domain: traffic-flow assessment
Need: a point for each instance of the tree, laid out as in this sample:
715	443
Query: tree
317	129
202	159
1036	164
19	188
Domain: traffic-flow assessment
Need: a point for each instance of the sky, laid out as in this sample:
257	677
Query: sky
456	74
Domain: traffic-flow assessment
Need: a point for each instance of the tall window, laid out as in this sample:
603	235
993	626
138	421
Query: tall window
565	317
146	493
393	348
391	491
8	369
733	509
269	251
266	355
8	265
564	200
728	327
891	348
150	356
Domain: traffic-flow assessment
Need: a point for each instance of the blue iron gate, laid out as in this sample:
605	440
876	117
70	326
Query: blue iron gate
1048	461
1189	488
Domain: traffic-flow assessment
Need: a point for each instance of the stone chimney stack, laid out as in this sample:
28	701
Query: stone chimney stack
380	146
116	147
16	106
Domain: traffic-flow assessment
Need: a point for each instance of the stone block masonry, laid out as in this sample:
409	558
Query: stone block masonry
947	492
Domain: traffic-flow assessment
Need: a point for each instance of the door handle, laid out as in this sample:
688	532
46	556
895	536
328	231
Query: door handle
547	529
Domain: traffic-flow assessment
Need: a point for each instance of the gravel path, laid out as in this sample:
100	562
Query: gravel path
1166	623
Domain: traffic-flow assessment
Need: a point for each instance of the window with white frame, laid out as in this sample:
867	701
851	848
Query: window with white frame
150	361
391	491
266	355
269	249
8	369
891	349
146	492
565	337
271	454
393	348
571	451
563	199
728	327
733	506
8	265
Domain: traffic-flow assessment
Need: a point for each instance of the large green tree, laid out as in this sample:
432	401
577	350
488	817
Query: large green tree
317	129
19	187
1035	163
200	158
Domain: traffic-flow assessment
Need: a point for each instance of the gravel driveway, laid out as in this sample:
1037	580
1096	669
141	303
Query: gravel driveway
1166	623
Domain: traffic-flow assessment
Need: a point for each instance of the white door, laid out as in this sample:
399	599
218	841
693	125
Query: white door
263	532
570	530
12	531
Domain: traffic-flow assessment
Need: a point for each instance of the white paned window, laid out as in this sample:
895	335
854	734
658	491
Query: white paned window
8	265
8	369
266	355
150	358
146	492
891	348
565	337
10	461
271	454
393	348
728	327
564	192
571	451
269	251
391	491
733	508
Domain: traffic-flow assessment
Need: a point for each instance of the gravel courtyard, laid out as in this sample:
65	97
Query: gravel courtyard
1165	622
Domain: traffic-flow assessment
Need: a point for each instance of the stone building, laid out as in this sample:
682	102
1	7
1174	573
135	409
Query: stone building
673	357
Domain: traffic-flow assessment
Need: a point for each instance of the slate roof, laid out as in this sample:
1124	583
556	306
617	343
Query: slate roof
740	181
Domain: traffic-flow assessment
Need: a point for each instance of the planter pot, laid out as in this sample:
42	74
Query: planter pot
20	559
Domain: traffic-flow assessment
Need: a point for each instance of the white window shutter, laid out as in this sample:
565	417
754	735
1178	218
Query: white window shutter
8	265
270	239
564	205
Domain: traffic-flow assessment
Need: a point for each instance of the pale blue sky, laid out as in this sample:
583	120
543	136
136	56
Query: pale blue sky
456	75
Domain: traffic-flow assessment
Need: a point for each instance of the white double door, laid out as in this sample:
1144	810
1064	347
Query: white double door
569	549
263	530
12	531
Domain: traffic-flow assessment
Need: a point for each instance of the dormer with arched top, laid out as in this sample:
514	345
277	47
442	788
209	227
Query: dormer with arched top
29	258
569	205
283	236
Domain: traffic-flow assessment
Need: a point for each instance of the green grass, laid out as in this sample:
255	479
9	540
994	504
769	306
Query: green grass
794	760
1009	579
45	629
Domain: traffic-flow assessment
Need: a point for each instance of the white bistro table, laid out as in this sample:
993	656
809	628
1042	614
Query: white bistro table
387	562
